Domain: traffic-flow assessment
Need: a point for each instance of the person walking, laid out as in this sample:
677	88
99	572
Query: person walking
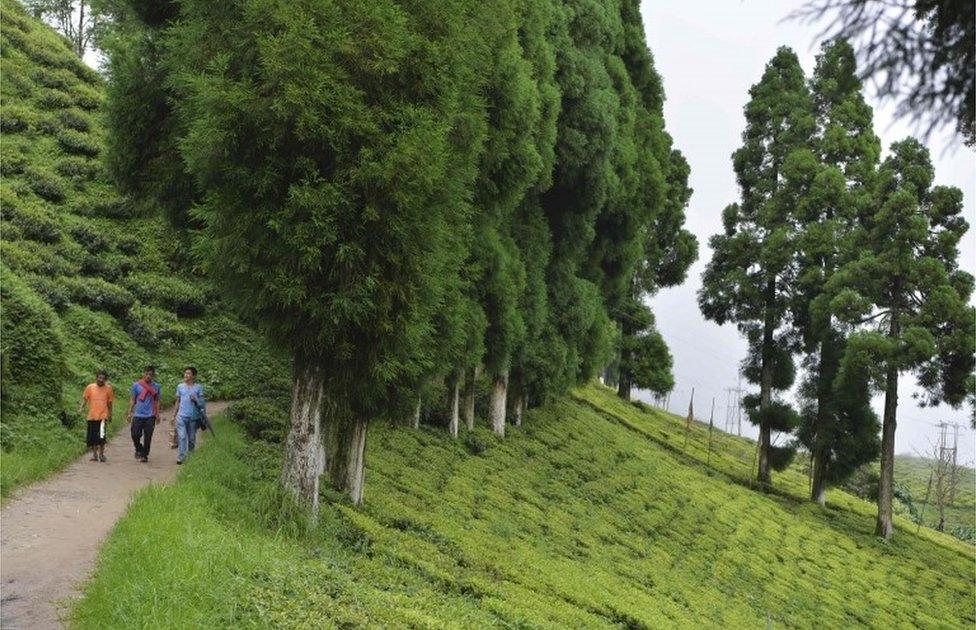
191	405
144	412
99	397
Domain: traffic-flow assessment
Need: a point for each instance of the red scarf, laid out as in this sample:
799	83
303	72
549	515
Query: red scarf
149	390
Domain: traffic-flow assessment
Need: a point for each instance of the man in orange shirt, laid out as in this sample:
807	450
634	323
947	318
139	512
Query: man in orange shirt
98	396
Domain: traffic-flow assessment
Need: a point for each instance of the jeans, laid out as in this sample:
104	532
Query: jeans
142	432
186	434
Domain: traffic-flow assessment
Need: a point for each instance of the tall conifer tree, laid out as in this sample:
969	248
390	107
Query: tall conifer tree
906	288
838	427
752	272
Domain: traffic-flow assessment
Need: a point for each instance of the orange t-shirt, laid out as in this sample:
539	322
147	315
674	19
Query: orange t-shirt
98	399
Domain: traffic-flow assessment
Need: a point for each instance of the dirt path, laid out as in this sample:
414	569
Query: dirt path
50	532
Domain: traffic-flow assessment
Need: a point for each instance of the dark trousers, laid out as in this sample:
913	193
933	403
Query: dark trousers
142	430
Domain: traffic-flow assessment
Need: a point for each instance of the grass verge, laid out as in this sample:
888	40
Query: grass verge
575	520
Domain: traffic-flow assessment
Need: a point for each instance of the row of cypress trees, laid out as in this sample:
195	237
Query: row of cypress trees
407	191
846	261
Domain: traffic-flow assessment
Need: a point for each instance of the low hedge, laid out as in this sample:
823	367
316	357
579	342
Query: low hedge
36	224
46	185
172	293
78	143
31	341
261	418
152	327
98	294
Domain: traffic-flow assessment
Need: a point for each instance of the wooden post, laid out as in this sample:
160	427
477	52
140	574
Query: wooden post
711	423
691	412
924	503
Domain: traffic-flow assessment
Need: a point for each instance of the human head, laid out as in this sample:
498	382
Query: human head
149	372
189	374
100	377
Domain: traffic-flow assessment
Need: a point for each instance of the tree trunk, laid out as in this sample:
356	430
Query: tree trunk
518	407
818	452
818	493
766	390
453	403
496	407
415	420
346	452
80	43
623	386
304	459
884	525
471	379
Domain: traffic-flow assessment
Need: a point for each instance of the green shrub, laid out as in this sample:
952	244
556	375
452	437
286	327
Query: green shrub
47	125
16	119
75	119
77	143
152	327
52	290
108	265
261	418
77	168
36	223
100	295
53	78
174	294
46	185
31	341
23	256
54	99
89	237
129	245
10	231
87	98
109	208
12	162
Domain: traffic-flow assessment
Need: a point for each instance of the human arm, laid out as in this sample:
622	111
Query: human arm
84	399
132	405
176	409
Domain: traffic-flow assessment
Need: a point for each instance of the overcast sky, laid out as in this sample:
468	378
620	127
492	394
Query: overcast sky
709	54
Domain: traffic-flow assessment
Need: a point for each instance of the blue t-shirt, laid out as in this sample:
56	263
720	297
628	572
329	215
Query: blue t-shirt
187	408
144	408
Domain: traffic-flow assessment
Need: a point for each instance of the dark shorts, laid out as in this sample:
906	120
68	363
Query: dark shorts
94	435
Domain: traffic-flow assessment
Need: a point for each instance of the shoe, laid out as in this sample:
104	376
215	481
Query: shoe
138	455
94	458
144	459
102	458
179	462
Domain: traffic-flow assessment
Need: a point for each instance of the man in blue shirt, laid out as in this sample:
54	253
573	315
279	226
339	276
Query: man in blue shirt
190	407
144	412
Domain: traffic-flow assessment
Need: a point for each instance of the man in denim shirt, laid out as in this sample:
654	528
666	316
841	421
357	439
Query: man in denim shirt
144	412
190	407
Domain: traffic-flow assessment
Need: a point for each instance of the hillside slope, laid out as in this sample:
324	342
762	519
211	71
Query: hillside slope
89	279
593	514
913	474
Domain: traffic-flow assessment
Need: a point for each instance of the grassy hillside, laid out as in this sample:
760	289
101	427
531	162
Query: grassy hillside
89	279
594	514
912	473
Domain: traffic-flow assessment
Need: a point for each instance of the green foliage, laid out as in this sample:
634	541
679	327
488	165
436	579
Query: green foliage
587	517
46	185
70	244
179	295
33	345
264	419
100	295
151	327
78	143
35	222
